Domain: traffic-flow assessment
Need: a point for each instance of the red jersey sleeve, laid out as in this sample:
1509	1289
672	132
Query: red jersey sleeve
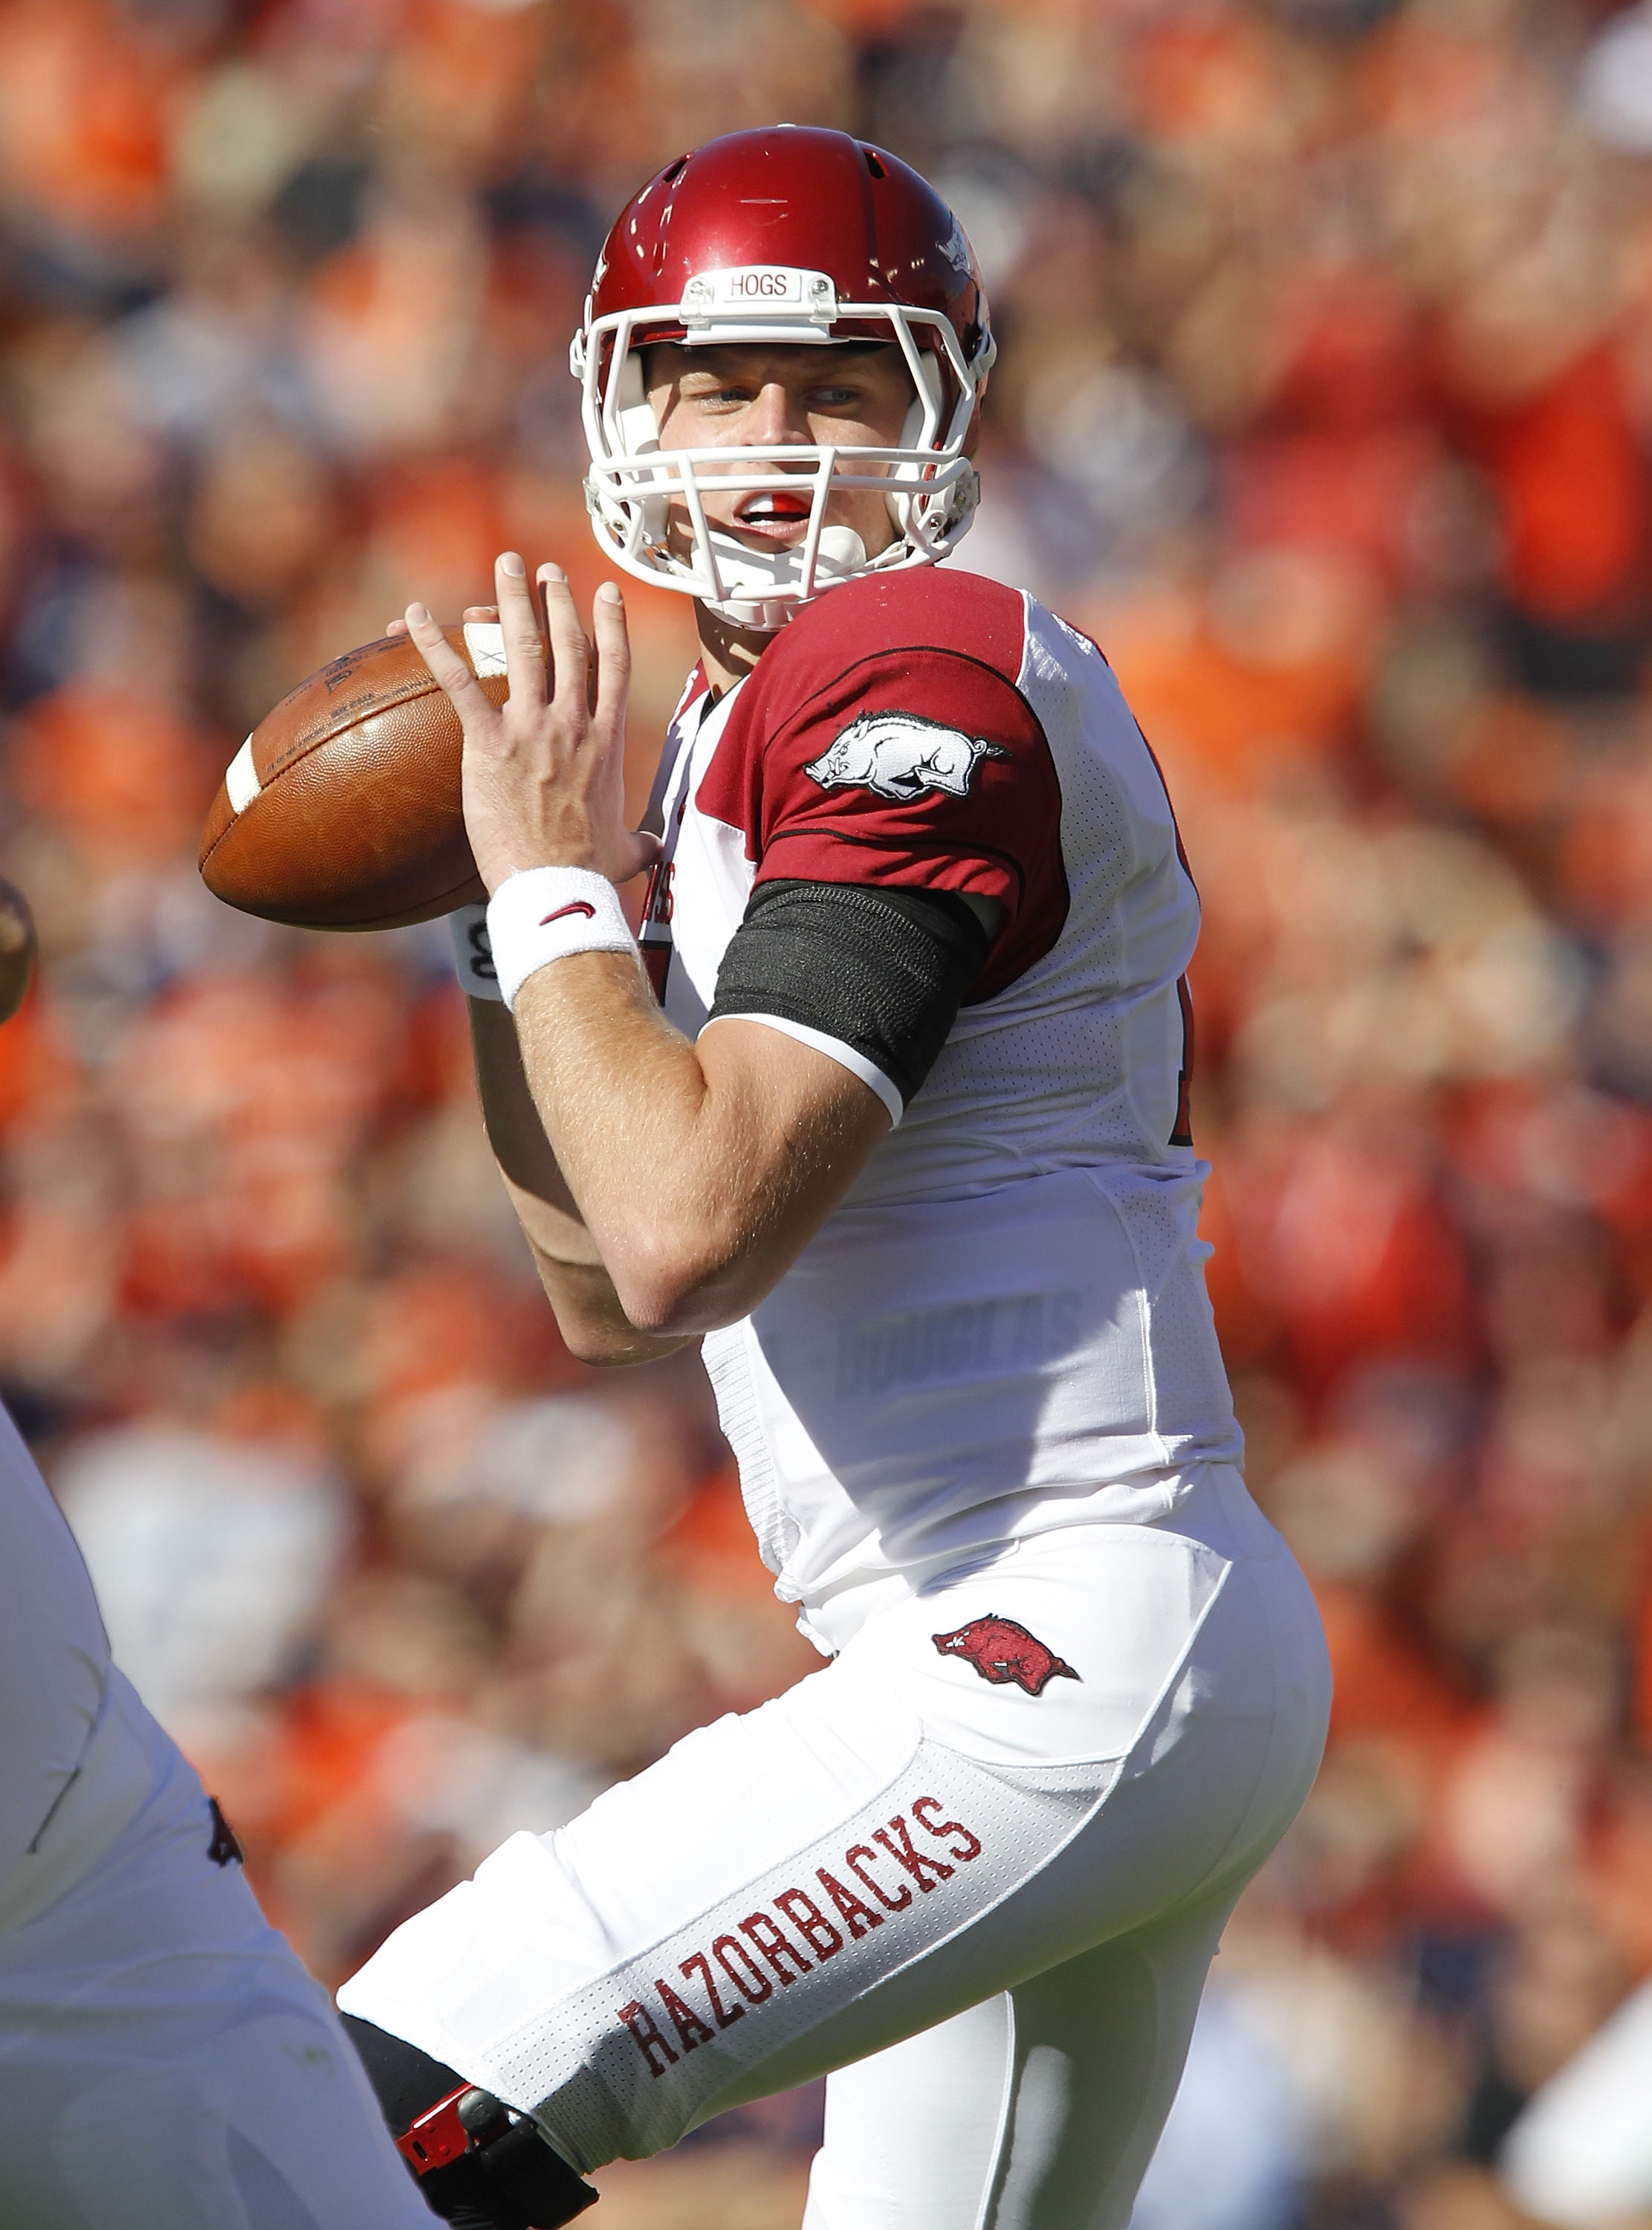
922	767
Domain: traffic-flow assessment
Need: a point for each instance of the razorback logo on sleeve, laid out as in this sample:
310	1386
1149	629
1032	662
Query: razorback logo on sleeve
902	755
739	1971
884	741
1001	1651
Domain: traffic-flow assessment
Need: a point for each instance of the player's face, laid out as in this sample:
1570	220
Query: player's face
755	397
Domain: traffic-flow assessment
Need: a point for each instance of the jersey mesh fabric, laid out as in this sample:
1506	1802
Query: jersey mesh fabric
939	732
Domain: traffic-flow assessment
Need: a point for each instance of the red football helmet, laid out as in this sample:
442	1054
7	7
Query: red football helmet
783	235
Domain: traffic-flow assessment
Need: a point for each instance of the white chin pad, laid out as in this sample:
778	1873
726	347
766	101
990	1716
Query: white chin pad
841	551
758	575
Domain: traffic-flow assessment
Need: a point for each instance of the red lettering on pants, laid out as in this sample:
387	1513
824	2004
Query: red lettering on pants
811	1923
916	1864
760	1987
690	2026
972	1849
775	1947
727	2015
853	1909
864	1850
642	2025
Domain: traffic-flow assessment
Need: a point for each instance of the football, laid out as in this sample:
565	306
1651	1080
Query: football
341	811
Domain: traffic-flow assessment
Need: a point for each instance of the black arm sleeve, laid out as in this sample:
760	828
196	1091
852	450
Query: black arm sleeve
883	971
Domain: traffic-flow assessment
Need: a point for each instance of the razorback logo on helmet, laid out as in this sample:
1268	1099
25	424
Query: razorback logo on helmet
902	755
1001	1651
956	249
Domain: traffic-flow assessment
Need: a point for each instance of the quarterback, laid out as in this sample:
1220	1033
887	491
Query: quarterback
887	1106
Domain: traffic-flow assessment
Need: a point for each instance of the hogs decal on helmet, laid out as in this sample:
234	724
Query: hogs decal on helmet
784	236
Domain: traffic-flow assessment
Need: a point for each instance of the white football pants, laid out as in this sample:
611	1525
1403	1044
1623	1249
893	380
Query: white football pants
165	2062
988	1904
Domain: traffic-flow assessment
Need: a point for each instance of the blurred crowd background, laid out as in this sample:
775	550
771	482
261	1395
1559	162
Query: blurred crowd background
1324	404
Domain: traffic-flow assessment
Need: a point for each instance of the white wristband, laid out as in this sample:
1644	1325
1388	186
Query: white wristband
473	954
546	913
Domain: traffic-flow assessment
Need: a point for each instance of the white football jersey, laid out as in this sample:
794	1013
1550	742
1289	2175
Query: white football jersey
53	1653
1004	1327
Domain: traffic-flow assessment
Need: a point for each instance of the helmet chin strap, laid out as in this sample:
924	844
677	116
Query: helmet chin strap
755	581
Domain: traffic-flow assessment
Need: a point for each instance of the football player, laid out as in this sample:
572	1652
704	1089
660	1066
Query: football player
165	2062
888	1108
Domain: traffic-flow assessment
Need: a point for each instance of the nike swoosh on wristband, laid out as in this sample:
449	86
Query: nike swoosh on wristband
573	906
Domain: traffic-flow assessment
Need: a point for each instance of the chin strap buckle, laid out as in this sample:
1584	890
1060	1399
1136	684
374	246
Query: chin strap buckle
464	2117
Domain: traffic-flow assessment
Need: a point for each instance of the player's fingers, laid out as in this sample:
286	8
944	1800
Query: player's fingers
569	651
524	647
469	699
611	682
471	612
17	948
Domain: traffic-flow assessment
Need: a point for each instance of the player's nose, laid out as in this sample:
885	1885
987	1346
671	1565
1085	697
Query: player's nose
778	419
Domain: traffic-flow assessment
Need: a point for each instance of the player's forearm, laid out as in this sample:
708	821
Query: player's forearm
588	1314
696	1197
578	1286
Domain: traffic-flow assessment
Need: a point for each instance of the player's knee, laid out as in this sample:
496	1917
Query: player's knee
478	2164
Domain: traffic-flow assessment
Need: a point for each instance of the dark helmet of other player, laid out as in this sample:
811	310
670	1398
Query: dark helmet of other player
785	236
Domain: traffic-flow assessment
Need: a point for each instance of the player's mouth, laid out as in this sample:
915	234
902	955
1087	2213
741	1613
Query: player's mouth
774	514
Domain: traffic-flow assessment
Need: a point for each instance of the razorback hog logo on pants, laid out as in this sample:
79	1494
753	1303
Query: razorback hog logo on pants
900	755
1001	1651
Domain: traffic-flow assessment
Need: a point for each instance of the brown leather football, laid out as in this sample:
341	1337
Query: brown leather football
341	811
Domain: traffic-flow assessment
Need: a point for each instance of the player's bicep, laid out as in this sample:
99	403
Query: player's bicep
796	1126
831	1002
804	1104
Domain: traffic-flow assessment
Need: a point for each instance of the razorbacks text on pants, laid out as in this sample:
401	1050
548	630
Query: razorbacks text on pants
742	1975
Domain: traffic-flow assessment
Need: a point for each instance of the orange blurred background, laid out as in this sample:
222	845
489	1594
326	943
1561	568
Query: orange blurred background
1324	404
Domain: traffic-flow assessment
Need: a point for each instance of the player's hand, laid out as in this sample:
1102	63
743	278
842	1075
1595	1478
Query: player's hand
543	773
488	613
17	946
